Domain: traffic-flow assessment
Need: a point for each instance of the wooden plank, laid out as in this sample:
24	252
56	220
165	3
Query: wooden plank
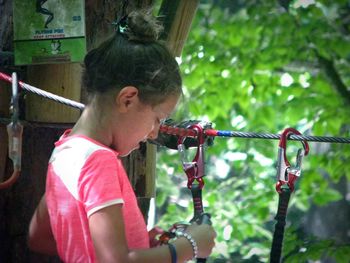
5	98
3	151
59	79
177	18
150	187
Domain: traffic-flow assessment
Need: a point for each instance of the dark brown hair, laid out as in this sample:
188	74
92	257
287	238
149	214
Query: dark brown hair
133	57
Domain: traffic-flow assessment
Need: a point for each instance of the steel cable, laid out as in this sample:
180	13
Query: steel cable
182	131
43	93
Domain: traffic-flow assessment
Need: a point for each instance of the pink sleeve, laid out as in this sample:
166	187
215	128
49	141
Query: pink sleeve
99	183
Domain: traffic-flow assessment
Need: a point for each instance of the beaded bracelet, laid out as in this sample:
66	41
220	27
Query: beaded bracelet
192	241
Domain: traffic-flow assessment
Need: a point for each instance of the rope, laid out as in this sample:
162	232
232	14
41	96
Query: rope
182	131
43	93
192	133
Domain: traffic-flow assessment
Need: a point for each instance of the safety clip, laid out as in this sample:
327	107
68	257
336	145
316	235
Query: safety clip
286	174
194	169
15	131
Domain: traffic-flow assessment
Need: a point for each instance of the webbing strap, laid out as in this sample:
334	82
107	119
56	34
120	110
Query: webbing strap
277	242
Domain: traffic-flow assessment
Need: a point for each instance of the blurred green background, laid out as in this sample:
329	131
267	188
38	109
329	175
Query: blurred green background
262	66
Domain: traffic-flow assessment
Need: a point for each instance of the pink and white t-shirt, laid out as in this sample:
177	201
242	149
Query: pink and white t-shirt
85	176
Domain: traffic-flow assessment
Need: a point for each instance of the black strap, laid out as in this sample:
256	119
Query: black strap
197	202
277	242
173	254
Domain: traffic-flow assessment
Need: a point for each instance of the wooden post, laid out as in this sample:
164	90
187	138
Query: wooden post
3	151
59	79
178	16
5	89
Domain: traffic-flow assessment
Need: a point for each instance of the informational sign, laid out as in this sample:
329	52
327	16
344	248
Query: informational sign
49	31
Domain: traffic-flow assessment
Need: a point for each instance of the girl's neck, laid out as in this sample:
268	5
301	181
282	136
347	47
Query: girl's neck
92	123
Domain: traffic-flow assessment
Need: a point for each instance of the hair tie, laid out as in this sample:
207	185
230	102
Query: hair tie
121	25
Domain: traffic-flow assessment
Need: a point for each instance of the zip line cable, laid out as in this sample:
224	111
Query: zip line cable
253	135
183	131
44	93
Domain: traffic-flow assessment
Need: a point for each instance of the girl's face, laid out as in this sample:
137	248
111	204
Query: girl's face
143	123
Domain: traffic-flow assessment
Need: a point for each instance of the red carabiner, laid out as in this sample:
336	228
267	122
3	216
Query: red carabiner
285	173
195	169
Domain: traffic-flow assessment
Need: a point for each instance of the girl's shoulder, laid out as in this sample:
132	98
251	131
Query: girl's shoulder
80	148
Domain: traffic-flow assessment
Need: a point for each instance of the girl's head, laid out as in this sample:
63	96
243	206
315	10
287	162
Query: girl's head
133	82
133	57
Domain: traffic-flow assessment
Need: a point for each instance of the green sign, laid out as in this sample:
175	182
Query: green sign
49	31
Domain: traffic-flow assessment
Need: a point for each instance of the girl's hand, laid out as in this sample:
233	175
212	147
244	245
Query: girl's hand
154	234
204	235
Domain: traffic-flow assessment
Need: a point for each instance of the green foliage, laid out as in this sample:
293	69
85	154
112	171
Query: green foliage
253	66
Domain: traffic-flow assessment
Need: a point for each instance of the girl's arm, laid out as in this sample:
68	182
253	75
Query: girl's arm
108	234
40	237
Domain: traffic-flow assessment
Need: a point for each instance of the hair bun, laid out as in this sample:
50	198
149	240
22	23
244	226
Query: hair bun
143	26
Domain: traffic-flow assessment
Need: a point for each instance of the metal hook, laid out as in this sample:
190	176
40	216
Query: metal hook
15	131
14	100
194	169
286	174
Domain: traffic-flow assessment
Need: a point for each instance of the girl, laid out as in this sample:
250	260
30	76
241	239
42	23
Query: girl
89	212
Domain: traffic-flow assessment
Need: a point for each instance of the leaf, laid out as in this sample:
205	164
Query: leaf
247	46
341	254
328	195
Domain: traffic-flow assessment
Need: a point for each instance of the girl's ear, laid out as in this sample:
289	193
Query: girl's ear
127	97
